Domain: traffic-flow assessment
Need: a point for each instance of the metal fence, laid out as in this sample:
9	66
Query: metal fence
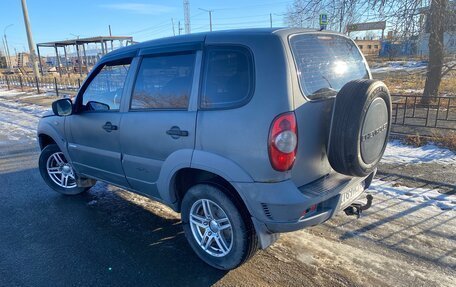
410	116
54	85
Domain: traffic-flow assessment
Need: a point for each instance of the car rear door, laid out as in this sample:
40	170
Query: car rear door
161	116
324	63
93	130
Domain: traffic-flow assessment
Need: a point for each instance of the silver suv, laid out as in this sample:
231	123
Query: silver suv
246	133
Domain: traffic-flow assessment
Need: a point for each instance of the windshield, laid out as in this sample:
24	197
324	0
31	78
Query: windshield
326	63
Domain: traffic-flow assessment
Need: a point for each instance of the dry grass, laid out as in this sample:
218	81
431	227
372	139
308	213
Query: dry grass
401	82
415	140
447	140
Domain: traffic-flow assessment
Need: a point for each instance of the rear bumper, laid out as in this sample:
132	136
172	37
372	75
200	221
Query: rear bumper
284	207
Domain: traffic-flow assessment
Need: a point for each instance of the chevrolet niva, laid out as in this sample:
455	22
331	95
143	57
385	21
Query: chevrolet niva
246	133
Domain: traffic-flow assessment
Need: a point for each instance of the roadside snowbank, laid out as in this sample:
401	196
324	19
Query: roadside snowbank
18	121
10	93
399	153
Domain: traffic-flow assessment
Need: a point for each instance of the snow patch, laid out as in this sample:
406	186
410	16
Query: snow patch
399	153
406	66
416	195
11	93
18	120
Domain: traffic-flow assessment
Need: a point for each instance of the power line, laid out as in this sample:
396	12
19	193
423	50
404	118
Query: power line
242	17
157	32
163	26
197	14
159	25
242	23
254	5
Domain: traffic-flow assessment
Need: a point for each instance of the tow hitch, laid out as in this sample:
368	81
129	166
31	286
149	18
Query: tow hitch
357	208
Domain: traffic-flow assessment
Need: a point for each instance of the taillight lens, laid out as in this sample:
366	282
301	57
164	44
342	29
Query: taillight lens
283	141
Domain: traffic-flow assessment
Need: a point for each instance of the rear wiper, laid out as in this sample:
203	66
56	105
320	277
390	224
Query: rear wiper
324	93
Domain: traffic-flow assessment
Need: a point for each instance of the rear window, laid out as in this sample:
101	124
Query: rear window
325	63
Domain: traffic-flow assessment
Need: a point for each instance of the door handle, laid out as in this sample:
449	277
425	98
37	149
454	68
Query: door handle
109	127
176	132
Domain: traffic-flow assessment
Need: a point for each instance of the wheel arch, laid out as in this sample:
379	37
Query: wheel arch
44	140
185	178
186	168
48	134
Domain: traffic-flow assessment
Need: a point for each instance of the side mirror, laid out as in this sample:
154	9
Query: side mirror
62	107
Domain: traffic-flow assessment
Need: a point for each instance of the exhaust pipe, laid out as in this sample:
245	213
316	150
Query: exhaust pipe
357	208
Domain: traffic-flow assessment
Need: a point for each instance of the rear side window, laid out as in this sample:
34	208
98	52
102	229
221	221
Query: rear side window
325	63
105	90
228	77
164	82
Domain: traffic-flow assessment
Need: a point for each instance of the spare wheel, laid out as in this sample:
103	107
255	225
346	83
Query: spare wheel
360	127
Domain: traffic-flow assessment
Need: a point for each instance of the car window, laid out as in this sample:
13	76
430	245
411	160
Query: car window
105	90
325	63
164	82
228	77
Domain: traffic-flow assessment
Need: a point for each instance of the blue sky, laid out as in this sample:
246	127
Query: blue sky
143	19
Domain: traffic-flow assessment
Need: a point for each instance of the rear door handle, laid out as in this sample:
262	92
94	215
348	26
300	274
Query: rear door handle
109	127
175	132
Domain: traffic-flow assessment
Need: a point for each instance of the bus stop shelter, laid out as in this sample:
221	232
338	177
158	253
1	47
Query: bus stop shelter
81	43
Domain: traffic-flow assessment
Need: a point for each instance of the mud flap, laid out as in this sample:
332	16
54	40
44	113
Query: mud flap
265	237
85	182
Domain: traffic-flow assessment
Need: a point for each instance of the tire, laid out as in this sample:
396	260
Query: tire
240	238
48	158
360	127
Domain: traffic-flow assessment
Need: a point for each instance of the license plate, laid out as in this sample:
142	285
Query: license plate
351	194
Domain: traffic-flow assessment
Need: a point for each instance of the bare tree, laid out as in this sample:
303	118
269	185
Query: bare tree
304	13
404	18
436	50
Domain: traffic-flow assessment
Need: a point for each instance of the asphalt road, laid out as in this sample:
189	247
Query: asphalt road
111	237
51	240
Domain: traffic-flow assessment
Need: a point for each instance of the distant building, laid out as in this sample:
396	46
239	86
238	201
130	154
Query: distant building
23	60
450	30
369	47
12	60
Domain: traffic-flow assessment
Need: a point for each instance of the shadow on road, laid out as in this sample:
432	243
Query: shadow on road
99	238
411	227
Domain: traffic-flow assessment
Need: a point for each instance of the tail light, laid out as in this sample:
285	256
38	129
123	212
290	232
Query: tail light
283	141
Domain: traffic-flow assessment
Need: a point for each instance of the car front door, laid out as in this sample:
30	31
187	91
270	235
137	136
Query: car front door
161	117
93	130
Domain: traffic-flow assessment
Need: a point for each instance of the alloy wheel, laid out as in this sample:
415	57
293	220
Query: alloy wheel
60	171
211	227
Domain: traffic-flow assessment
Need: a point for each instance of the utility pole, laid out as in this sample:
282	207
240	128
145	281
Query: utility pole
270	18
187	16
8	52
5	43
4	50
210	17
172	23
30	39
110	35
179	29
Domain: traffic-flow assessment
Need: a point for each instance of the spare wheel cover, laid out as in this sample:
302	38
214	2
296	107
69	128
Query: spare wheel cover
374	131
